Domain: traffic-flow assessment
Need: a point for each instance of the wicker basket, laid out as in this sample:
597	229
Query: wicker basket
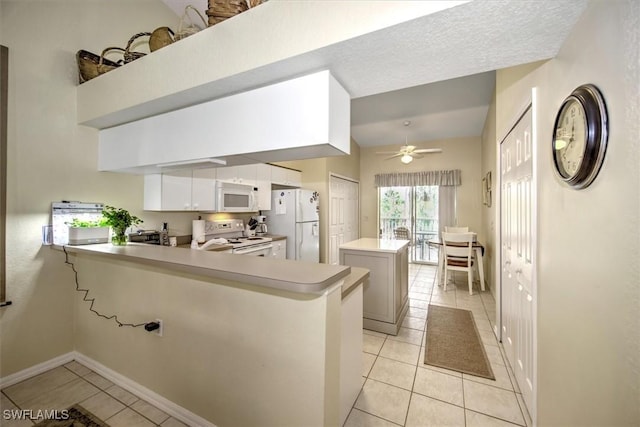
187	29
219	10
128	54
161	37
91	65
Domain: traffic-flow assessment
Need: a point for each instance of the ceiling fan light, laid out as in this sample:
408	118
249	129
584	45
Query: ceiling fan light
406	159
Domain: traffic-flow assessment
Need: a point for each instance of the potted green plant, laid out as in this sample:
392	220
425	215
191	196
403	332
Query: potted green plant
119	220
85	232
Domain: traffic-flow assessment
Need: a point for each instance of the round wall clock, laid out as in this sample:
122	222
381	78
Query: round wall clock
580	136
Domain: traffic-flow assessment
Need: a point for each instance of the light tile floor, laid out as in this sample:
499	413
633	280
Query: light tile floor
400	390
72	383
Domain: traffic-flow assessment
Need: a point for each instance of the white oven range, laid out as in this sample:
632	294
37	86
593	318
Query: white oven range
232	231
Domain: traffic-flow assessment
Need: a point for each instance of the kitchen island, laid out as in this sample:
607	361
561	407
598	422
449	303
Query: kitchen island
246	340
386	295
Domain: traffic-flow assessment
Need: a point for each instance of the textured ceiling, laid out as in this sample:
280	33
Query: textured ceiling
436	70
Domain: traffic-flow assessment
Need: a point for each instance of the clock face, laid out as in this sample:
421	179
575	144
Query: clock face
570	138
580	137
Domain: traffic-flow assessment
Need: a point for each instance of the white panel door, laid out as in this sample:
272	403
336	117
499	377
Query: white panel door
517	204
343	214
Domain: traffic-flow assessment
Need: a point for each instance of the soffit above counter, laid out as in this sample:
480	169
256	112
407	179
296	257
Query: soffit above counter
369	47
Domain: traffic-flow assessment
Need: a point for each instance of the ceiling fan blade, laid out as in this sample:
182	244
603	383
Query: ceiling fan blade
386	152
394	156
428	150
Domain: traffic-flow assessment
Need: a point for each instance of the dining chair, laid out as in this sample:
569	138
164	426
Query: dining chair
456	229
458	255
402	233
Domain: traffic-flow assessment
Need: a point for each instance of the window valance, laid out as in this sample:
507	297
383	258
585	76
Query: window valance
410	179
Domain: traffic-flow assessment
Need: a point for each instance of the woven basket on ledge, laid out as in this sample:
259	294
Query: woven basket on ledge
219	10
91	65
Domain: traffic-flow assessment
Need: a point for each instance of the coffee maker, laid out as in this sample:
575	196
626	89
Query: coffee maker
261	227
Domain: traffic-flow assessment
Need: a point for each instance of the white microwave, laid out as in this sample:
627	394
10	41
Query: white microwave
231	197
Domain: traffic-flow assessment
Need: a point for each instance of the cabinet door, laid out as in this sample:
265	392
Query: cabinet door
279	249
176	191
152	192
263	182
203	188
227	174
284	176
294	178
244	174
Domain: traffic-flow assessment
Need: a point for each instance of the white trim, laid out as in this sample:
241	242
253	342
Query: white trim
160	402
535	144
343	177
38	369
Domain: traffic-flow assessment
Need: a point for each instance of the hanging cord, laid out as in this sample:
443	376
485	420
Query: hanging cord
92	300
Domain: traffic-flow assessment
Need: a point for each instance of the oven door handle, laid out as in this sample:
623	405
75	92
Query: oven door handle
243	251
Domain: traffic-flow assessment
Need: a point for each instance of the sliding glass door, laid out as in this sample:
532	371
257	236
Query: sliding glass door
415	208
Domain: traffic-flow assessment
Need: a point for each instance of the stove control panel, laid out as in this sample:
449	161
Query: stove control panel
224	226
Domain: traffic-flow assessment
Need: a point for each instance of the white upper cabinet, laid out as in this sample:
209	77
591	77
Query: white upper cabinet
306	117
263	182
184	190
243	174
287	177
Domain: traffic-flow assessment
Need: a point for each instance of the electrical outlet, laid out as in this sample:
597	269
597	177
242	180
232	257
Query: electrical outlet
160	330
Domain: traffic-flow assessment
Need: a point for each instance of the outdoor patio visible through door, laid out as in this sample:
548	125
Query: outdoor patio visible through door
416	209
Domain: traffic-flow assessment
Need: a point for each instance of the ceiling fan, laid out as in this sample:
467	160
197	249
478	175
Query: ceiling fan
409	152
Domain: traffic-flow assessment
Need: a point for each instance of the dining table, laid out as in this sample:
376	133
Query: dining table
479	252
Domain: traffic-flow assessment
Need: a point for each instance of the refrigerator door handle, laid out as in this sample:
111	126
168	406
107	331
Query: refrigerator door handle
314	230
301	241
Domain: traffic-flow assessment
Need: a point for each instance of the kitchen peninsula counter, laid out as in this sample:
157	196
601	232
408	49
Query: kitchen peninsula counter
286	275
249	327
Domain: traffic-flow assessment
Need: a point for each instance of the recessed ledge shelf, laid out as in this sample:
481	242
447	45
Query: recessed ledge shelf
357	41
264	45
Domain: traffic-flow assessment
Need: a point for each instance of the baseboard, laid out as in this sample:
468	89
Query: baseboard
174	410
25	374
160	402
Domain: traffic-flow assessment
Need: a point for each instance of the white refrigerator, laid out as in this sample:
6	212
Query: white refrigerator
295	214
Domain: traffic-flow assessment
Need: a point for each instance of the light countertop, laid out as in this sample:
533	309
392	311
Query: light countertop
288	275
375	245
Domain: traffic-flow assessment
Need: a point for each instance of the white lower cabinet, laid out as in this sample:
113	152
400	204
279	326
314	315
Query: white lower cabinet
279	249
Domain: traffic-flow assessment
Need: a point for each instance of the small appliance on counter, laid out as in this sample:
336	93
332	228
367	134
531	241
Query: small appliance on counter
151	237
64	212
261	224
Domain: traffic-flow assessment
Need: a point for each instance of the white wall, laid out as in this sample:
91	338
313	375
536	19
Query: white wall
51	158
460	153
589	240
